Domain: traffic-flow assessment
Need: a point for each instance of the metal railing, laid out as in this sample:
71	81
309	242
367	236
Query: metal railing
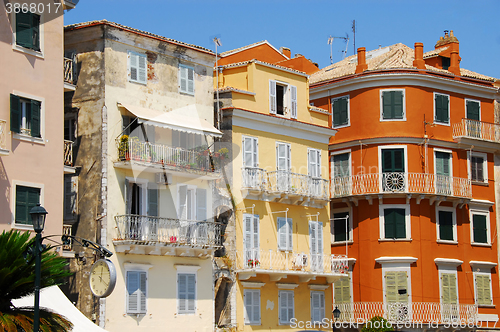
68	71
148	229
287	261
284	182
161	154
3	134
400	182
400	312
67	231
68	153
477	129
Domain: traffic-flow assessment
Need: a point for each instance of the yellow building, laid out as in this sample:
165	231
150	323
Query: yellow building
280	243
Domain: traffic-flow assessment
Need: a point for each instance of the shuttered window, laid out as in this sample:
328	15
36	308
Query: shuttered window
70	197
314	163
186	79
446	225
153	194
285	229
342	290
26	199
136	292
201	204
392	105
396	286
186	293
251	240
252	306
286	306
476	168
341	165
472	110
449	288
250	151
339	226
137	67
483	289
480	228
28	30
394	223
317	306
441	108
25	116
340	107
293	101
272	97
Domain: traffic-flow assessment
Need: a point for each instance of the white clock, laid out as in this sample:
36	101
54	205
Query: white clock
102	278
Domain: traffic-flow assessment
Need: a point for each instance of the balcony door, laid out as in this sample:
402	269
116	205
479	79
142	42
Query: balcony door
251	241
316	239
449	296
137	202
283	165
396	296
443	173
251	174
473	112
314	170
393	170
192	214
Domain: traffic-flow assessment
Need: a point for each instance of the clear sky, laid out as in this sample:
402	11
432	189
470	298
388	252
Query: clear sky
305	25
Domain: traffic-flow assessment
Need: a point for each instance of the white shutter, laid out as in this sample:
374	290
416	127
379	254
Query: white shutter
272	97
143	295
183	76
142	69
317	306
132	287
318	161
182	213
201	204
255	152
282	226
191	292
256	241
293	90
312	237
289	157
290	232
133	66
247	152
251	298
181	292
256	306
319	237
190	80
247	244
291	312
247	298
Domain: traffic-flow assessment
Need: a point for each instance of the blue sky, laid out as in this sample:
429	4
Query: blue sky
304	26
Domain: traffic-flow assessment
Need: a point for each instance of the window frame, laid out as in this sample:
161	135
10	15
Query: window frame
479	211
323	307
192	190
434	109
28	138
16	183
397	267
247	320
143	184
332	225
349	274
317	166
187	67
129	67
382	208
332	161
186	269
483	155
288	234
280	320
454	224
465	106
482	273
450	152
25	50
382	105
348	124
255	154
136	267
447	270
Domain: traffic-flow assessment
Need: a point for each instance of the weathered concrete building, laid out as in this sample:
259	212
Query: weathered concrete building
143	110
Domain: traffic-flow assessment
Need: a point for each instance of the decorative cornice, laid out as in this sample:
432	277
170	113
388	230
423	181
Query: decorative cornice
286	286
448	262
396	260
318	287
482	265
252	284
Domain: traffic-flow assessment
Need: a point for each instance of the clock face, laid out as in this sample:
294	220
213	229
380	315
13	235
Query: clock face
102	278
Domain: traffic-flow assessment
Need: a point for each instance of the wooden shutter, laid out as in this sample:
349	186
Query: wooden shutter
248	153
392	103
282	233
15	114
248	299
476	164
133	66
142	69
483	289
183	78
182	202
445	225
22	213
24	31
341	165
255	235
387	105
340	111
190	80
317	306
397	104
342	290
396	281
441	108
35	118
152	200
70	196
290	233
256	306
293	90
472	110
480	228
449	288
143	295
389	224
191	292
201	204
313	241
136	290
35	32
248	227
314	162
442	163
272	97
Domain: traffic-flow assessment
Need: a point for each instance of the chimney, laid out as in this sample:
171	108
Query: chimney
454	67
362	66
286	52
419	56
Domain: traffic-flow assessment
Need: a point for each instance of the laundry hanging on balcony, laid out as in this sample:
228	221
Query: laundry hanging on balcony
190	122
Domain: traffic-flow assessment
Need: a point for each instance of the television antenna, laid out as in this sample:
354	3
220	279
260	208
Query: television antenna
330	42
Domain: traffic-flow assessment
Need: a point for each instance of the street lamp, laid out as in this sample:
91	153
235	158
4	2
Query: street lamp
336	315
38	214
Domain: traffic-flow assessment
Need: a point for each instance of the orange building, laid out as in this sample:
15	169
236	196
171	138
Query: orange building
413	185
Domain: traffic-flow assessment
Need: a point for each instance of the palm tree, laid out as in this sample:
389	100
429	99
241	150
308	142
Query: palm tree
17	279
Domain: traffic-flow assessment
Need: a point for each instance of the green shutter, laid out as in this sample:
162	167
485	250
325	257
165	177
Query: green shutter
442	163
445	225
24	33
386	105
35	32
449	288
340	113
400	222
15	114
472	110
339	226
392	103
393	160
35	118
480	228
26	199
441	105
341	165
398	104
394	223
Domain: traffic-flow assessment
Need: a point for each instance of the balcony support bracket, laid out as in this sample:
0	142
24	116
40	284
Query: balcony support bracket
246	275
369	199
380	199
420	198
408	198
277	277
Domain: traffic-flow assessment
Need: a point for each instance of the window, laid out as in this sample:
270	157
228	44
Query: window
449	294
478	166
70	197
136	196
186	293
285	231
392	105
314	163
482	283
445	62
25	116
317	306
395	221
252	306
441	108
283	166
137	67
342	290
26	199
28	30
341	165
480	227
446	224
186	79
70	126
393	169
250	151
340	225
136	292
192	203
396	286
251	240
316	245
473	109
340	110
286	306
443	170
282	97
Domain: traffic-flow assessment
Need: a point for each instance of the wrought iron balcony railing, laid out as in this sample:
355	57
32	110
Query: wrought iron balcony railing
400	182
149	229
68	71
68	153
474	129
400	312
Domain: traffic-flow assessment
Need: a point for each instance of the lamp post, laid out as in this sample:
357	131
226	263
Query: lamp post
38	214
336	315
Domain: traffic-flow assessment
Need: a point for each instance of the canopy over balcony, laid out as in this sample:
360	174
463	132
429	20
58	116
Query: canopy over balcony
190	123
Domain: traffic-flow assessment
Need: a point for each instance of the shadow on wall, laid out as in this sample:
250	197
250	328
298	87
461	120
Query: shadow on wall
5	191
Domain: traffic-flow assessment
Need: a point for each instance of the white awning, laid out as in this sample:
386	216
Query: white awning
54	299
190	122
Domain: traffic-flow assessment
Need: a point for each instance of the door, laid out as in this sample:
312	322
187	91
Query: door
314	169
396	296
283	165
251	241
393	170
473	118
443	172
316	243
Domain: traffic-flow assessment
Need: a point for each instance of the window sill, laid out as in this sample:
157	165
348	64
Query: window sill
339	243
138	82
446	241
342	126
25	50
186	93
27	138
386	120
479	183
486	306
394	240
23	227
253	324
447	124
480	244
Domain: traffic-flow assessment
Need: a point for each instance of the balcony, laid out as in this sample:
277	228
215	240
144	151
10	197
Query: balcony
148	157
438	186
3	138
415	312
68	246
476	131
69	83
149	235
68	158
285	187
280	264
